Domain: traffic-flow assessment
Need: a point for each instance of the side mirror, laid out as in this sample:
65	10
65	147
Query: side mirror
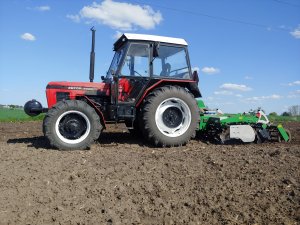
155	52
195	76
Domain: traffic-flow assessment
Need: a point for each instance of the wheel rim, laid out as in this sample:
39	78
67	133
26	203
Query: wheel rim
72	127
173	117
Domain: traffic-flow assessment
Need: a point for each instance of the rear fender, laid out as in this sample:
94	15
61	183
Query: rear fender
188	84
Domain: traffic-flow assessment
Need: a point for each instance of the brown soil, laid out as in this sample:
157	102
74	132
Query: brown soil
121	180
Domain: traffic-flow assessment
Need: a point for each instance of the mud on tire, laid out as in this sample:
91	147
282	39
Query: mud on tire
72	124
170	116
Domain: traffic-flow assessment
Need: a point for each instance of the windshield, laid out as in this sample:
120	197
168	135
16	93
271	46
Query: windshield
115	63
137	60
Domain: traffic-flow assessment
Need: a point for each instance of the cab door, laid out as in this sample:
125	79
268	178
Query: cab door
134	73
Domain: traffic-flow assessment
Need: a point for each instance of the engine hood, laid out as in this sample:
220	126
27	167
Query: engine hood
58	90
77	85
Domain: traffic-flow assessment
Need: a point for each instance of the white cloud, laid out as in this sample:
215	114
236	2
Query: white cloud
223	92
43	8
117	35
248	78
261	98
294	94
74	18
282	27
296	33
239	95
120	15
217	104
235	87
297	82
210	98
28	37
210	70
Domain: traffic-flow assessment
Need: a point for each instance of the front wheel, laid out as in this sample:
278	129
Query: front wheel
72	124
170	116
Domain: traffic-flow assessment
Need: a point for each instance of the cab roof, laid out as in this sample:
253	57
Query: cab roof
147	37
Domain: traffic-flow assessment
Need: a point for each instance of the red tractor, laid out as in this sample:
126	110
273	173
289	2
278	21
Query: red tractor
149	86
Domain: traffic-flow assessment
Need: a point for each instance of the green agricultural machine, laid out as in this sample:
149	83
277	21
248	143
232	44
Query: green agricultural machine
243	127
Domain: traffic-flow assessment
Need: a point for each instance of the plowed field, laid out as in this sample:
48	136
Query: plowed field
122	180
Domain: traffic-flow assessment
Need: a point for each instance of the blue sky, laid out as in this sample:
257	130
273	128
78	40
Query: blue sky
247	52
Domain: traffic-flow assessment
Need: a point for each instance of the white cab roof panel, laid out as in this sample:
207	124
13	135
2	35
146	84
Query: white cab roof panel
146	37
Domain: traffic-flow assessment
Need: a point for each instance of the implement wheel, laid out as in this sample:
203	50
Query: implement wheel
280	139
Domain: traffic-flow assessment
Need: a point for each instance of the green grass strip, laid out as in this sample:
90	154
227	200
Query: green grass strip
284	118
16	115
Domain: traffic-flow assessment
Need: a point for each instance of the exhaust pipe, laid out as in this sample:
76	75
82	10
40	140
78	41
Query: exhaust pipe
92	57
34	108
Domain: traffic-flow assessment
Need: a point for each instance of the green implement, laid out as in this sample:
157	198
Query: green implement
216	126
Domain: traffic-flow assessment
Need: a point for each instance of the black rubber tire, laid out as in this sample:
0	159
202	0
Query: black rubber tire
258	139
61	107
135	129
150	129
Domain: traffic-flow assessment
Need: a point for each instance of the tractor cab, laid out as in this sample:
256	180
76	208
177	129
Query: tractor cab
141	61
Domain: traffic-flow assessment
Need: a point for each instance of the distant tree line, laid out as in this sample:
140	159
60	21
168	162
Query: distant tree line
293	110
11	106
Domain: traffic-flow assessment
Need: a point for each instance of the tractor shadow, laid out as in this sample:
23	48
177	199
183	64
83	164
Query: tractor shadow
121	138
35	142
41	142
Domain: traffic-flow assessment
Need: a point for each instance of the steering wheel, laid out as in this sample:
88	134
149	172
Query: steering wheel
178	69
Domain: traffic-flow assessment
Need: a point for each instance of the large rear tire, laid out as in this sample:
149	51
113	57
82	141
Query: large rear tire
170	116
72	124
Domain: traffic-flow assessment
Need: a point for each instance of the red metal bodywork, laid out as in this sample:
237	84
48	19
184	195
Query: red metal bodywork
75	89
90	90
165	81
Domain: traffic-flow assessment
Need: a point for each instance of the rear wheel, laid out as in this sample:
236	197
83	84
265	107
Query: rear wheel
72	124
170	116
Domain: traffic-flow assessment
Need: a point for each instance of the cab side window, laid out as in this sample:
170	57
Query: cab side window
136	61
171	62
